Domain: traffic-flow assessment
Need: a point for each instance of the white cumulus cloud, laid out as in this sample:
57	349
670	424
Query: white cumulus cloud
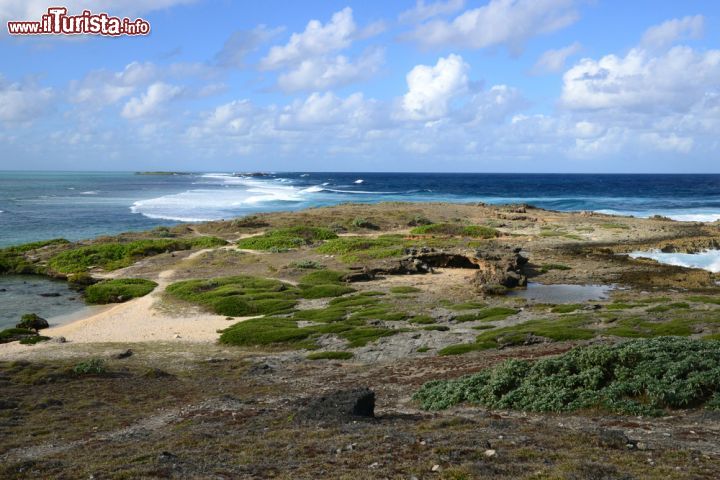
431	88
423	11
150	102
20	103
316	39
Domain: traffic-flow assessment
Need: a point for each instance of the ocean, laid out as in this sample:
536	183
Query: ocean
75	205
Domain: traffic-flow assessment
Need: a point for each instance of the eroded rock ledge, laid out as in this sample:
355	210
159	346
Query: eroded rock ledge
498	268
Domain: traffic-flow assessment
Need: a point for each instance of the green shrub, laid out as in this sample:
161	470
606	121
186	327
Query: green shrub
473	231
704	299
80	281
111	256
360	222
285	238
94	366
462	348
640	377
264	331
330	356
118	290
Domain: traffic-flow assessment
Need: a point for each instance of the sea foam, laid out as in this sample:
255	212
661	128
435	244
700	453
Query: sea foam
706	260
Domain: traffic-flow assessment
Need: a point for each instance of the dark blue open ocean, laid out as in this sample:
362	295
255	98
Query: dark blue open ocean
74	205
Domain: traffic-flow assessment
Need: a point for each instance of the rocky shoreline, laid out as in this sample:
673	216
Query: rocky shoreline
273	333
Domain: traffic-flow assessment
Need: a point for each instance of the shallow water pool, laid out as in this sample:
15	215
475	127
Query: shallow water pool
563	293
51	299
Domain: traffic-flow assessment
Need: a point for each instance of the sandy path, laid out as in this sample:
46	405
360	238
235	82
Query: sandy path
137	321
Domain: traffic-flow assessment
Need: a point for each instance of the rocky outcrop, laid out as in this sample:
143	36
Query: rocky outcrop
341	405
498	267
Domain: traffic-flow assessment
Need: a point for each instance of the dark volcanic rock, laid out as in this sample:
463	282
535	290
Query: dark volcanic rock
32	321
342	405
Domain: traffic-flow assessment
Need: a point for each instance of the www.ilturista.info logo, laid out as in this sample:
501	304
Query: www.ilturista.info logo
57	22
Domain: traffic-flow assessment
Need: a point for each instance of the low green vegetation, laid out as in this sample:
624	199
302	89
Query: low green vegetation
354	249
404	290
640	377
13	260
422	319
286	238
14	334
566	308
449	229
360	222
466	306
668	307
237	296
111	256
118	290
641	327
553	266
704	299
346	317
330	356
622	306
323	284
492	314
570	327
33	340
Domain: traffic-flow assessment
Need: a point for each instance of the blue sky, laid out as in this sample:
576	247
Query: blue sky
499	85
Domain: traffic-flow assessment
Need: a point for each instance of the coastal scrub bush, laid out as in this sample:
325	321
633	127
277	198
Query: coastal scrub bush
474	231
324	283
285	238
13	260
466	306
237	296
118	290
325	291
639	377
94	366
111	256
360	222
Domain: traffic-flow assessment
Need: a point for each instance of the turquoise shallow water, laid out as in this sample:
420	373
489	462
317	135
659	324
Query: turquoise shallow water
51	299
75	205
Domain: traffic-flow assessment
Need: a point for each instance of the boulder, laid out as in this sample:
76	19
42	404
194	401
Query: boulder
32	321
342	405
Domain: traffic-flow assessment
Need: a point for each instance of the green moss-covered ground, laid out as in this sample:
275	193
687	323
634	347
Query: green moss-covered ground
118	290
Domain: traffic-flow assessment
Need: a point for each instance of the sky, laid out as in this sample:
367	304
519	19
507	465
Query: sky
450	85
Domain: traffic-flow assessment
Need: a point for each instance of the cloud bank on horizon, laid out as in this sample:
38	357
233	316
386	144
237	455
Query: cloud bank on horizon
450	85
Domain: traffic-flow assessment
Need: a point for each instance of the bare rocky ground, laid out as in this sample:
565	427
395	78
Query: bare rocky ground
205	410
